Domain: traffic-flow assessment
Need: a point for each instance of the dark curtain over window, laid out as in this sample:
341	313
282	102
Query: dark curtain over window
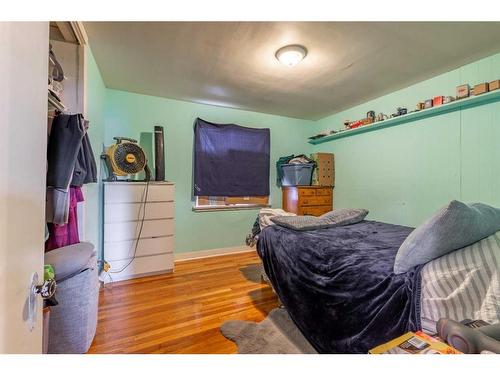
230	160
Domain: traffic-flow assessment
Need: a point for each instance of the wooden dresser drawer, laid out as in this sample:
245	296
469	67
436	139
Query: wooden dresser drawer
317	200
315	210
307	200
305	192
324	191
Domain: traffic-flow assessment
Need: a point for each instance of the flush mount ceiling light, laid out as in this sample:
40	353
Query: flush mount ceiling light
291	55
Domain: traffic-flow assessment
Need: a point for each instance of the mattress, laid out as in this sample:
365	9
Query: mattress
338	286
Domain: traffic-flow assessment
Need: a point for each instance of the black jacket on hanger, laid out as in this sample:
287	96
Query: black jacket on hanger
69	154
85	171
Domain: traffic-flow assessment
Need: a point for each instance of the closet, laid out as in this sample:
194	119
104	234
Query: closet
70	316
68	42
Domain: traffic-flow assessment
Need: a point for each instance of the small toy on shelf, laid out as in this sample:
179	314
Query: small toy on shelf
438	100
448	99
356	124
463	91
481	88
400	111
494	85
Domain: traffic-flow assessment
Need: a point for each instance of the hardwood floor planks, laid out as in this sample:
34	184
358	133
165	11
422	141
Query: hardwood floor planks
182	312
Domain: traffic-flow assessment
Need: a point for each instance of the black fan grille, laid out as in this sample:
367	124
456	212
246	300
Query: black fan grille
120	156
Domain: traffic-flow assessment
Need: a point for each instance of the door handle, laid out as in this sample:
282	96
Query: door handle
46	290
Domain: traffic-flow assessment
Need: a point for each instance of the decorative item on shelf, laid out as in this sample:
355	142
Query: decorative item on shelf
420	106
438	100
494	85
428	103
448	99
382	116
356	124
347	124
320	135
481	88
367	120
371	115
463	91
400	111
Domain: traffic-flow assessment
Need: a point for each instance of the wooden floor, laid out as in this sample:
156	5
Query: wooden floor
182	312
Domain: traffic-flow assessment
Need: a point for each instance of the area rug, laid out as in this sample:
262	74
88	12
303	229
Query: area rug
277	334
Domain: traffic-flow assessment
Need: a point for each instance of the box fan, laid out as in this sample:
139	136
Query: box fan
125	158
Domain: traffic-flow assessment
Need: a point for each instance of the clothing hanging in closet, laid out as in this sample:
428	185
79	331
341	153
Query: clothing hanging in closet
70	164
66	234
69	154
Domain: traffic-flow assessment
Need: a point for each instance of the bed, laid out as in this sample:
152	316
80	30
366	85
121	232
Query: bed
339	288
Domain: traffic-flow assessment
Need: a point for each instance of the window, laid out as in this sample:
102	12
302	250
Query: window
231	166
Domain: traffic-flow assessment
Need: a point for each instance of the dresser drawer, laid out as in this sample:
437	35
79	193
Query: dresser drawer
307	192
315	210
114	232
118	212
324	191
133	192
146	246
142	266
316	200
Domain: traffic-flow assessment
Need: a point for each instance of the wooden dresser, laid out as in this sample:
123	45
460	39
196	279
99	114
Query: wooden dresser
308	200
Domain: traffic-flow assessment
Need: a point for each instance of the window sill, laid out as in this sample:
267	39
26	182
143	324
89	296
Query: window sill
231	208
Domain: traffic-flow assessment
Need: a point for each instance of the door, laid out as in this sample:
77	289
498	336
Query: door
23	138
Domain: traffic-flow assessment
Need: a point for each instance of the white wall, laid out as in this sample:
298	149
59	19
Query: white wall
23	135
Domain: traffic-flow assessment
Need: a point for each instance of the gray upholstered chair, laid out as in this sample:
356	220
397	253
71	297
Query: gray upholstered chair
73	321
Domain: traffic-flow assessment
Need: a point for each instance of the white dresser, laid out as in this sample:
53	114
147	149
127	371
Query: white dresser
123	212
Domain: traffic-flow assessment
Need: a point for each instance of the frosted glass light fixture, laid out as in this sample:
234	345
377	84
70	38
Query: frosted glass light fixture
291	55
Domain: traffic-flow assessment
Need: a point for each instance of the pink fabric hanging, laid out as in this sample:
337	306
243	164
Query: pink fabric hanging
66	234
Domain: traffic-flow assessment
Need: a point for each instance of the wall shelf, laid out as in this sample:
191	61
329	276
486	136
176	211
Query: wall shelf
472	101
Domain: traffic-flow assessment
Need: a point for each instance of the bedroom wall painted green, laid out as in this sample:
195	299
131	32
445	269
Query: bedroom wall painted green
404	173
134	115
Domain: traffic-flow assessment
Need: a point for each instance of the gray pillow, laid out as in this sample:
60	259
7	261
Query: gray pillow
454	226
344	216
333	218
70	260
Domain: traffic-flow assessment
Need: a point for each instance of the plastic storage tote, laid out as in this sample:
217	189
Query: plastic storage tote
297	174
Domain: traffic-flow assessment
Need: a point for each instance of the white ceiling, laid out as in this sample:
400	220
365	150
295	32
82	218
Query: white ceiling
232	64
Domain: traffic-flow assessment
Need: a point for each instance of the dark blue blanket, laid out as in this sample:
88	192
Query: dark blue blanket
338	286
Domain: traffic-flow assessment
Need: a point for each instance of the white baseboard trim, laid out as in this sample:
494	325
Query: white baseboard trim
212	253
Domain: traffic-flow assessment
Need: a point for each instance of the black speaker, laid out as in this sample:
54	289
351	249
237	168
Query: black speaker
159	154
